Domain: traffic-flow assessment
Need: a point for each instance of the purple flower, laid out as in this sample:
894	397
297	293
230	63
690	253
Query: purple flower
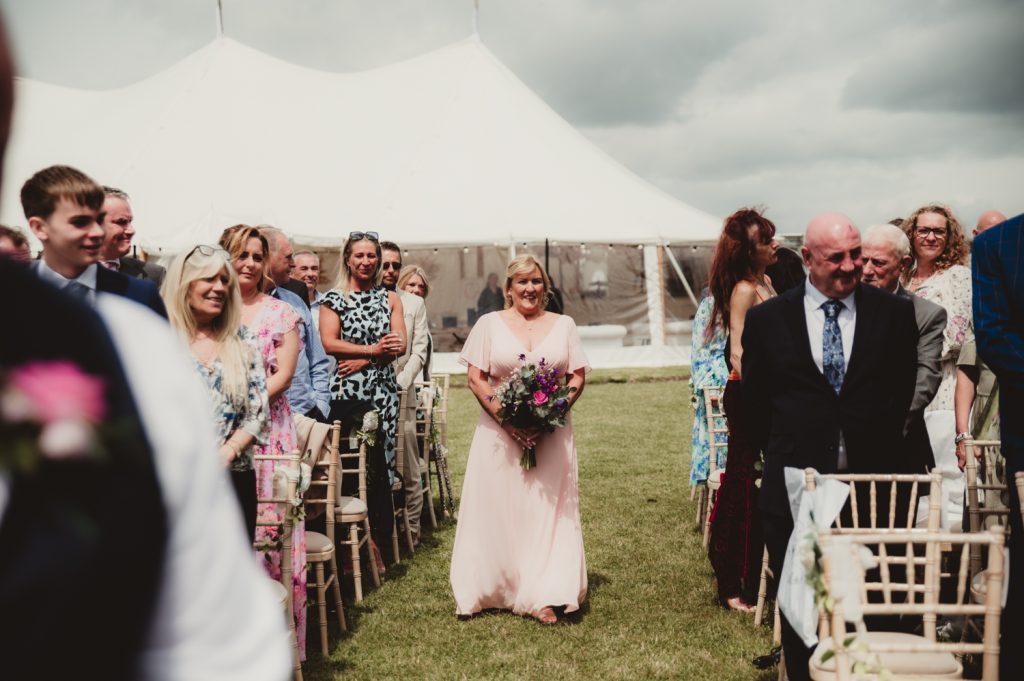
522	357
561	403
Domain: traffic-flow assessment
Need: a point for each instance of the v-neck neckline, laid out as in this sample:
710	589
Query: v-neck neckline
520	340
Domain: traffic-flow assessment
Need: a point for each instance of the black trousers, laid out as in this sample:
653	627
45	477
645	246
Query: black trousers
244	483
777	529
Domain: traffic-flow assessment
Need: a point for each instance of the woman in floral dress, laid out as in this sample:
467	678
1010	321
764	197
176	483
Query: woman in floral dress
204	305
940	275
707	368
362	325
273	323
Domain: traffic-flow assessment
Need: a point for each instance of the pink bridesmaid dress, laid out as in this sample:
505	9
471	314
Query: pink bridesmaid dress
519	541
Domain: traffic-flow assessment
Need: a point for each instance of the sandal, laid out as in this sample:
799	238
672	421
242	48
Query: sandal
736	603
546	615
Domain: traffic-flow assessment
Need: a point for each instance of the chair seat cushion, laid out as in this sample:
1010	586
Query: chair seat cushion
318	545
350	506
715	478
926	665
979	587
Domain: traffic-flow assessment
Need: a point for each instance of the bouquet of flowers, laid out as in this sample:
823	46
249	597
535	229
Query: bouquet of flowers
533	397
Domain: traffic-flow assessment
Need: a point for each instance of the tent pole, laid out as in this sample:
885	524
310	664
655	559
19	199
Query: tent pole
511	250
220	19
679	273
655	300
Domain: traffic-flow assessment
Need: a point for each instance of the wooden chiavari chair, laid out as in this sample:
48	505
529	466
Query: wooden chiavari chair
353	511
718	430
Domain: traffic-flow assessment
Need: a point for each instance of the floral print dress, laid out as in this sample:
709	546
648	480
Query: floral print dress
950	288
249	413
707	368
276	319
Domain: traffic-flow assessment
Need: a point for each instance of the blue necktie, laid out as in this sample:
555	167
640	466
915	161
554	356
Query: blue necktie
833	363
78	290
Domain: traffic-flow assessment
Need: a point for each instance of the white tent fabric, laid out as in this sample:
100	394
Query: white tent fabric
448	148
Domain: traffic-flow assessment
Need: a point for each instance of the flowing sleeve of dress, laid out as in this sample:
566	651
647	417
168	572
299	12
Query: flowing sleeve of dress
477	349
577	358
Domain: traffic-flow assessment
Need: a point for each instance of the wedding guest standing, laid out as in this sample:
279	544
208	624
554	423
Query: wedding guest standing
414	280
738	282
707	368
362	324
998	301
274	324
491	298
519	541
829	372
205	306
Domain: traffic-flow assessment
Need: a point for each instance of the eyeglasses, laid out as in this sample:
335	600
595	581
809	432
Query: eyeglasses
203	249
391	266
356	236
925	232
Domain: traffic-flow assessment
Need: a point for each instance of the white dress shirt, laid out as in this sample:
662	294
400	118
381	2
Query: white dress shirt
216	616
815	314
847	319
87	278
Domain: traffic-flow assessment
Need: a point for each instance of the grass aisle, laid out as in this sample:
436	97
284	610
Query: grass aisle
651	609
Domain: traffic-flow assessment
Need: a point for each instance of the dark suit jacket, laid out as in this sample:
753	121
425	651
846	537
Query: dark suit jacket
299	289
141	291
133	267
796	416
82	538
998	264
931	326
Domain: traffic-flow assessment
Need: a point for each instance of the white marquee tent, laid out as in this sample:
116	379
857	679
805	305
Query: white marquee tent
445	149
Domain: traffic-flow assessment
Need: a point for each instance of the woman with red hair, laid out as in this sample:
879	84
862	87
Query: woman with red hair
738	282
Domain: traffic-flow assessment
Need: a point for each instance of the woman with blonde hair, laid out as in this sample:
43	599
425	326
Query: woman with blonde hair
274	324
414	280
204	306
362	324
519	541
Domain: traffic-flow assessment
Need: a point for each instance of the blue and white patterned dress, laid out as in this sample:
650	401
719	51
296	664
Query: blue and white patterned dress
707	367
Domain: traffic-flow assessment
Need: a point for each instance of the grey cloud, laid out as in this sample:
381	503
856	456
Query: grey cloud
967	63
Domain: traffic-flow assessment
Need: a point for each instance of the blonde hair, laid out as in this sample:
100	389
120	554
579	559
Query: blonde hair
411	271
524	264
234	354
344	282
234	239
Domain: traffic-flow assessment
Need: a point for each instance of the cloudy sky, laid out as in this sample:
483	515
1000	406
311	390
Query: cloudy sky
872	107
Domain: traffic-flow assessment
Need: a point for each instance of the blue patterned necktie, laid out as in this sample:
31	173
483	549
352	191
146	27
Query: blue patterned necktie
833	363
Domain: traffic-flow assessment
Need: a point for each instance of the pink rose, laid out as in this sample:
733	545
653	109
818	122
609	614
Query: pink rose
59	391
540	397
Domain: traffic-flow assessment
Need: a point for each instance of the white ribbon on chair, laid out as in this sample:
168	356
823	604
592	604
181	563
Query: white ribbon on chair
285	474
812	511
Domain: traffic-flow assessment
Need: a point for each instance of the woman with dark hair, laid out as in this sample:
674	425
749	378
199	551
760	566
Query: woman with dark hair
738	282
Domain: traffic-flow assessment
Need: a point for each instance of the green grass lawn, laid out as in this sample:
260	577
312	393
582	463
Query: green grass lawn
651	610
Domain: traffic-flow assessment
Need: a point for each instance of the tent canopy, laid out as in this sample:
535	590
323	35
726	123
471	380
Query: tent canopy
448	148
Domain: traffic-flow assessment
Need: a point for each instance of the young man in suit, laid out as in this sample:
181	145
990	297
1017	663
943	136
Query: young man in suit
829	371
999	328
64	209
119	224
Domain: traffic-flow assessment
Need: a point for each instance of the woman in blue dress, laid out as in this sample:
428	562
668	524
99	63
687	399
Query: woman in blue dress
707	368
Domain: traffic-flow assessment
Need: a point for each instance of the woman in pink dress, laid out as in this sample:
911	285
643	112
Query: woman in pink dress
274	323
519	541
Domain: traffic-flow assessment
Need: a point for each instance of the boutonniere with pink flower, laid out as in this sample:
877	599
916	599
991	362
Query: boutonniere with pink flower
48	410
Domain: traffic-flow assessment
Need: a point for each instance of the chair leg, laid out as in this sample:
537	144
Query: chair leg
339	606
428	500
394	542
702	500
321	604
712	496
357	570
762	590
777	628
369	551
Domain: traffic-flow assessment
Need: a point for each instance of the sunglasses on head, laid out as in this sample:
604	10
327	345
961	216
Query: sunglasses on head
356	236
203	249
391	266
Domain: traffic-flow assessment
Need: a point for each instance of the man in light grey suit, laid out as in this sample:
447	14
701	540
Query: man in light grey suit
407	368
886	252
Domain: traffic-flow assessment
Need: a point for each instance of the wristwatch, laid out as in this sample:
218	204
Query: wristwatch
960	437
